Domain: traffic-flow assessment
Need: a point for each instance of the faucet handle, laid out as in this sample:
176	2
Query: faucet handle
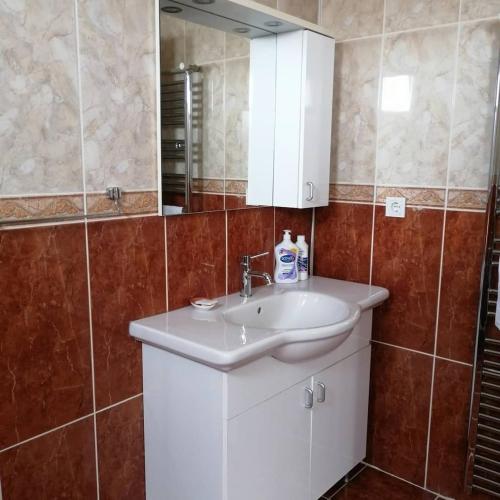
258	255
245	259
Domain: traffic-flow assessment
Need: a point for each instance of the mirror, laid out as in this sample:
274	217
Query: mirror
204	109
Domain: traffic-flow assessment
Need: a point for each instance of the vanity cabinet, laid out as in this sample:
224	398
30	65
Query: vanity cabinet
248	433
291	167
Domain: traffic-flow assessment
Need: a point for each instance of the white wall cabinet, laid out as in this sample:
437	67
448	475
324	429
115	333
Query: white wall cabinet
302	121
247	434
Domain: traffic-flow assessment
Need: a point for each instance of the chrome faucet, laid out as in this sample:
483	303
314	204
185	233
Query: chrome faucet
247	274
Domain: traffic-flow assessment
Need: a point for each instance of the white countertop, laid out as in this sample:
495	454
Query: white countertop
207	336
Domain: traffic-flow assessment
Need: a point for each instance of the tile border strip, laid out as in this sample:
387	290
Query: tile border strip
456	198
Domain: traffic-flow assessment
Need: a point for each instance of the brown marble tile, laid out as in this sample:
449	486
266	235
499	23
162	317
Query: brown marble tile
305	9
406	260
343	233
400	387
45	375
196	257
372	484
206	202
449	427
235	202
463	252
298	220
120	444
59	465
127	276
249	231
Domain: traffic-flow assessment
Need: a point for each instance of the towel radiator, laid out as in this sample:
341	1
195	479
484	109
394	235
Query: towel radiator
177	117
483	460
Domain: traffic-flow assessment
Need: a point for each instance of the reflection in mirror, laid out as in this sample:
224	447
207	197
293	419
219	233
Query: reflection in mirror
204	116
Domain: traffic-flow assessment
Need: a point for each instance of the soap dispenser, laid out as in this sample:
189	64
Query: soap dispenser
286	254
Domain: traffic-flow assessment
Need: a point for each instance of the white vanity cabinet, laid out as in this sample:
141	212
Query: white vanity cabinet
298	174
248	434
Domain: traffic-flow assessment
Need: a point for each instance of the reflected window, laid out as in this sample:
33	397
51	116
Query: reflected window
396	93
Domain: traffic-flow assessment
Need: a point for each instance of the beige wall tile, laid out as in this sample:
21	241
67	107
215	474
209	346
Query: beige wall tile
305	9
237	81
351	19
475	97
213	128
476	9
39	121
354	125
203	44
172	42
407	14
414	126
269	3
237	46
118	93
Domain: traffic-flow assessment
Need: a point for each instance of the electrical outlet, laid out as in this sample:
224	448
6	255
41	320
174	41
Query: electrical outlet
395	206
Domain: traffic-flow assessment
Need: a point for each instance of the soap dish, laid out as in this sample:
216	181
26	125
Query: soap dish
203	303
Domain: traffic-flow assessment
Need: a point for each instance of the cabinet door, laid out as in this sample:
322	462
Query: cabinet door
268	449
318	54
339	423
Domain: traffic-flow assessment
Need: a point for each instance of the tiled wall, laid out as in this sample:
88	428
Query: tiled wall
432	147
71	377
414	93
77	107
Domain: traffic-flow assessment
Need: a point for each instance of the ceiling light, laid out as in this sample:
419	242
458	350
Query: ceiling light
273	24
171	10
203	2
241	30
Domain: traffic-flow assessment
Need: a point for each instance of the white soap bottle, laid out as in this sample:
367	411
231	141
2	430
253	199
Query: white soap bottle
286	253
303	258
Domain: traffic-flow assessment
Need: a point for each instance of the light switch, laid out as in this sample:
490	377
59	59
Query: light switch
395	206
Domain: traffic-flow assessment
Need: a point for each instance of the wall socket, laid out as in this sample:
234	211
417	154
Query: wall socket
395	206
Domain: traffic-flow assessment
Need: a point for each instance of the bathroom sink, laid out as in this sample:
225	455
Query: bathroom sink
289	322
315	323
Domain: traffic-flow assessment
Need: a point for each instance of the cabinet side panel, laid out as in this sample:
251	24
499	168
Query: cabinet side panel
288	103
316	118
183	417
262	120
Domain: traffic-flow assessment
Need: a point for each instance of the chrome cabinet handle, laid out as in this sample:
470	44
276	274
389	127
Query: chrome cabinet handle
308	397
321	392
311	191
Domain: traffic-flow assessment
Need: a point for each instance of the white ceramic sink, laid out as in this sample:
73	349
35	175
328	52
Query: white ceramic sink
289	322
315	322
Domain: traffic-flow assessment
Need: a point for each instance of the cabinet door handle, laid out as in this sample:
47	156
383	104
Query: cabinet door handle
311	191
308	397
321	392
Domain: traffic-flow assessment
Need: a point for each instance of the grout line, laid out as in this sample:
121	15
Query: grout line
166	261
422	353
421	28
378	119
443	236
123	401
226	250
50	431
397	477
80	105
92	365
67	424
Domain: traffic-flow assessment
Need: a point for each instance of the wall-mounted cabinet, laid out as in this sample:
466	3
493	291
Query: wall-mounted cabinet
289	149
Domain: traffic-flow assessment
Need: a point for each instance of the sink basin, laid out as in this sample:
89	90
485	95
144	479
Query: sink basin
289	322
318	322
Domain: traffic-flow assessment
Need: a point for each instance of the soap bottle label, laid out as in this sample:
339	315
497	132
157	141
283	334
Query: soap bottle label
303	263
288	269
